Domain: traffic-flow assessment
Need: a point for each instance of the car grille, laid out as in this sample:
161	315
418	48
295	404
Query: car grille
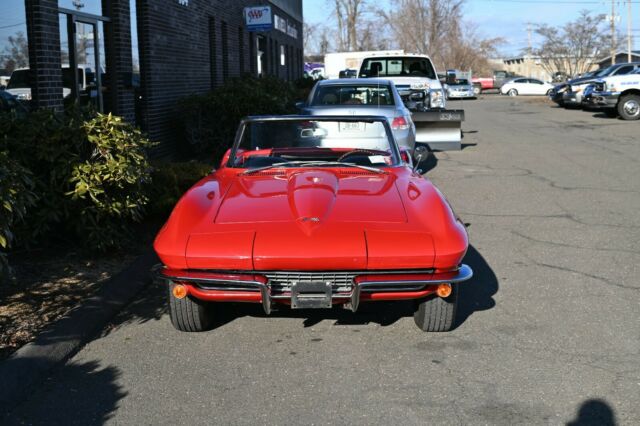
281	282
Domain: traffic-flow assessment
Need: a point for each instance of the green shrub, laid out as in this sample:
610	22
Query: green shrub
15	197
109	184
210	121
90	175
170	182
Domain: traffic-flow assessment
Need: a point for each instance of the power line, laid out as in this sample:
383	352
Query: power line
11	26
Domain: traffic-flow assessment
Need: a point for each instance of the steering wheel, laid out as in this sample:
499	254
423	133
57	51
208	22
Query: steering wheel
356	151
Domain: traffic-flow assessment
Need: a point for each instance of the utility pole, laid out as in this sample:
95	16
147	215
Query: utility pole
629	31
529	29
613	32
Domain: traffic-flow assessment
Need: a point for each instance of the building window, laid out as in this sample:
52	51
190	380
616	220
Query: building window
14	47
283	56
241	49
225	51
213	53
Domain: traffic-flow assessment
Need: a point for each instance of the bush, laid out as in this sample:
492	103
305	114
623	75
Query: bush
170	182
90	175
209	122
15	197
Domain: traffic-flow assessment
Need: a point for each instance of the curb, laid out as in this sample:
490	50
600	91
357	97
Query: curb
31	364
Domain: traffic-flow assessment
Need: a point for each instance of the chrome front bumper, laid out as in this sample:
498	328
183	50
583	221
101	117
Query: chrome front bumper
320	293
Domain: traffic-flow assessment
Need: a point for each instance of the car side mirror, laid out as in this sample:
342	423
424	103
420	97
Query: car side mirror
420	153
225	158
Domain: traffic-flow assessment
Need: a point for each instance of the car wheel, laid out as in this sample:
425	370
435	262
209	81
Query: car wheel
512	92
477	90
189	314
549	92
629	107
435	313
611	112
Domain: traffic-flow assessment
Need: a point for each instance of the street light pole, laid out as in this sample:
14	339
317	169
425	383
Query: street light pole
628	30
613	32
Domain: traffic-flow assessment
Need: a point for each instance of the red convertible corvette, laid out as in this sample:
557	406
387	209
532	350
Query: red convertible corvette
313	212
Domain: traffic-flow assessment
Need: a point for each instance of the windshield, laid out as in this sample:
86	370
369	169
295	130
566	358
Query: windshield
460	82
353	95
395	67
19	80
359	142
605	71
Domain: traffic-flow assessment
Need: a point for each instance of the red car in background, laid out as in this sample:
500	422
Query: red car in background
313	212
483	84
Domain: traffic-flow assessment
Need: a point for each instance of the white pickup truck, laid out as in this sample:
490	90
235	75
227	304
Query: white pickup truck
618	95
417	82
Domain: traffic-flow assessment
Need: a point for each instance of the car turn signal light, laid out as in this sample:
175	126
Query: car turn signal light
179	291
444	290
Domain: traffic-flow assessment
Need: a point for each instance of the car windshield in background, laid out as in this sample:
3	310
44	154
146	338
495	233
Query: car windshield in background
353	95
19	80
300	143
394	67
461	82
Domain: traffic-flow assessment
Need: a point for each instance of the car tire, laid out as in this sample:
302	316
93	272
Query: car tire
512	92
629	107
611	112
477	90
549	92
189	314
435	314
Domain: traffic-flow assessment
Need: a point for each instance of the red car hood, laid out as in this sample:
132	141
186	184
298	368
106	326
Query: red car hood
310	219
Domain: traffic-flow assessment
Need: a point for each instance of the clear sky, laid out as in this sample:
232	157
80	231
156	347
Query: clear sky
508	18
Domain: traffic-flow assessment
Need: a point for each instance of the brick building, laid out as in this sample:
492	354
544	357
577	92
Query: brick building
150	53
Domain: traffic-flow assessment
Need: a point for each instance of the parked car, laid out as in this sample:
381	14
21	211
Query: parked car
573	95
460	89
20	82
559	90
313	212
617	95
417	82
9	102
348	73
363	97
526	86
499	77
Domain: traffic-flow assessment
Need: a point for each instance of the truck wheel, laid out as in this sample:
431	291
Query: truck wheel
189	314
477	90
435	313
512	92
629	107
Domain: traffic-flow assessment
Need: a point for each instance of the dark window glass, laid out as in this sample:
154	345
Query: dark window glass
390	67
624	70
241	49
213	53
14	49
353	95
93	7
225	51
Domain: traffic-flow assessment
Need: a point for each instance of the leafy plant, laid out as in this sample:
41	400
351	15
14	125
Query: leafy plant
16	196
170	182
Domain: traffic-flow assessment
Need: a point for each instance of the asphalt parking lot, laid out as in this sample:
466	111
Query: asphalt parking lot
549	327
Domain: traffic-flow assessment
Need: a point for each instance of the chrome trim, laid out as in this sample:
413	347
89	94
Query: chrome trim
464	273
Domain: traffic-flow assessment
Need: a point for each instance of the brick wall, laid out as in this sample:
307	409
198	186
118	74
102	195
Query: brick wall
43	31
181	53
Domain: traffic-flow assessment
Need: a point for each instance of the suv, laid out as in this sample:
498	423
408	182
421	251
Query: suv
618	95
417	82
573	96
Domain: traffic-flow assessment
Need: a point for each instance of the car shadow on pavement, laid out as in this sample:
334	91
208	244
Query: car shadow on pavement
604	116
77	393
477	294
594	412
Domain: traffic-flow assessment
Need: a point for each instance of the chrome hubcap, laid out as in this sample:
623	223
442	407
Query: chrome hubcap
632	107
512	92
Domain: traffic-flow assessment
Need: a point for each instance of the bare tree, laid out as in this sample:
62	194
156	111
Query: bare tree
349	15
573	48
437	28
16	53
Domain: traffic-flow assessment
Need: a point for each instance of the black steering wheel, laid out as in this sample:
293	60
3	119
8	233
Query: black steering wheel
356	151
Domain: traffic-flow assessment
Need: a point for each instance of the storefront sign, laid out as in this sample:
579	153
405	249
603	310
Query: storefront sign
292	30
258	18
280	23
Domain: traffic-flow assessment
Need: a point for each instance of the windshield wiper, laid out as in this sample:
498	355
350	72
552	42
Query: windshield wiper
312	163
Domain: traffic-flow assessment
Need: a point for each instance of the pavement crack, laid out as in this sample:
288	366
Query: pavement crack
557	244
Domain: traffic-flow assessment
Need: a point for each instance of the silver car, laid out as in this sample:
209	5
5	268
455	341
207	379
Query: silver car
461	89
363	96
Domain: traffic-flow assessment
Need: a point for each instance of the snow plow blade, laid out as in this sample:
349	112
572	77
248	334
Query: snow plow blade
440	130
